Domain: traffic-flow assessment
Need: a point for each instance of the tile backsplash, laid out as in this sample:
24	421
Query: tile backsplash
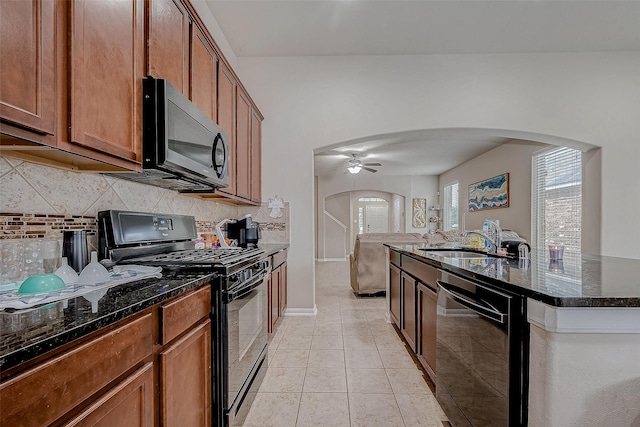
42	226
38	201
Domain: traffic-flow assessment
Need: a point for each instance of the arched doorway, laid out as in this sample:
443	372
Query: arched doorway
343	215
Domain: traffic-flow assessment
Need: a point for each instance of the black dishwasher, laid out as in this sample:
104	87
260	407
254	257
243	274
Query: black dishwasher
482	354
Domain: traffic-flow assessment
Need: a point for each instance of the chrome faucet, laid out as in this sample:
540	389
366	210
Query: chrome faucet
493	236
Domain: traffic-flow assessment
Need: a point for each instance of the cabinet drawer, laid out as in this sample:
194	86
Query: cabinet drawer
420	270
181	314
278	259
41	395
394	257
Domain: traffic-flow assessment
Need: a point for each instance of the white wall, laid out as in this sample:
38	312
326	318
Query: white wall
422	187
216	32
513	157
311	102
403	187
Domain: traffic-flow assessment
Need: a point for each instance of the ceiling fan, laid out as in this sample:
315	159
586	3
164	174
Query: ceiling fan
355	165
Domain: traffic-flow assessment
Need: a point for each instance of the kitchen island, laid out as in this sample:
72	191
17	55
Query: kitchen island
584	319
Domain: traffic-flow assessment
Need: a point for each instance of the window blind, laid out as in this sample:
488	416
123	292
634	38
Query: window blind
451	207
557	200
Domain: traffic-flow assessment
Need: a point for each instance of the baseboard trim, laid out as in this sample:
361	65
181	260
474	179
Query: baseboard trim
300	311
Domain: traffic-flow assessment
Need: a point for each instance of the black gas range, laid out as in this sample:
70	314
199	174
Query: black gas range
239	296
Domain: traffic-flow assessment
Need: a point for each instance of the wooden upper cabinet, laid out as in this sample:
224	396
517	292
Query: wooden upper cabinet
27	49
169	43
256	157
203	73
107	66
243	145
227	118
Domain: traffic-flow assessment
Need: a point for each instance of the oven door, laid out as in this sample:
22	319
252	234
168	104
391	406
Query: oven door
246	352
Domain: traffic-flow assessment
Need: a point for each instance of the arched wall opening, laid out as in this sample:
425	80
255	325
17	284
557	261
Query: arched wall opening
338	220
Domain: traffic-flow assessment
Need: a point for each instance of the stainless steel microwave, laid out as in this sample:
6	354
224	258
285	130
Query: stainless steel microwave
182	148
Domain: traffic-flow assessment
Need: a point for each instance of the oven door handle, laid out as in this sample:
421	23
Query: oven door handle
247	287
479	306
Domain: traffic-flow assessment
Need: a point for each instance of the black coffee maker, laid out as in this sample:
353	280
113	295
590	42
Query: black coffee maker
245	231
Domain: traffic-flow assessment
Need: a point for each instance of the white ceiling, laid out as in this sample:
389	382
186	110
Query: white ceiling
371	27
424	152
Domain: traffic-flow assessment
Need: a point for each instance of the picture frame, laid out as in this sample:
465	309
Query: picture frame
491	193
419	217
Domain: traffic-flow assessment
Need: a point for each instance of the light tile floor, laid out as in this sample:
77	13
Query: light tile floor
346	366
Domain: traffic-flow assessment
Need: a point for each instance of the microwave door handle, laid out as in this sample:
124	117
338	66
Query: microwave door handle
219	169
478	306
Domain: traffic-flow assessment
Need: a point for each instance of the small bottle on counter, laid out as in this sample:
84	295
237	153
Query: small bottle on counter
199	243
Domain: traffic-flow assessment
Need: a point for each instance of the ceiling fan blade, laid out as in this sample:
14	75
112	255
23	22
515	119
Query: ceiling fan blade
372	164
369	169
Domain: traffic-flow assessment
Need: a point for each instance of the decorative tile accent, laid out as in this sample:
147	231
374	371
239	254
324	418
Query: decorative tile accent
43	226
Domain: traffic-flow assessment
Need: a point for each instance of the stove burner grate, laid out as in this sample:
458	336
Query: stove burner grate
199	256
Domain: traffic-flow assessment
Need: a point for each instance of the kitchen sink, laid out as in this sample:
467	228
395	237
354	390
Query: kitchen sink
457	254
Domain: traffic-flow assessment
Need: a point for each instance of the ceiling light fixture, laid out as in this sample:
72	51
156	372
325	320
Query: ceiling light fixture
354	169
355	166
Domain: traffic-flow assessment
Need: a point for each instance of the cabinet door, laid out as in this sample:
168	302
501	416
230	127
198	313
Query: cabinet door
274	300
185	380
27	49
227	119
283	288
204	63
169	43
427	314
394	294
107	66
130	403
408	320
243	145
256	157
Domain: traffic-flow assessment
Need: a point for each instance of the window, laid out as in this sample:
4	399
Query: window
556	203
451	207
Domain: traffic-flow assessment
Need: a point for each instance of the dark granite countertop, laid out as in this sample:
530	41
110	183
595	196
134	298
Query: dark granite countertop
576	281
273	248
27	334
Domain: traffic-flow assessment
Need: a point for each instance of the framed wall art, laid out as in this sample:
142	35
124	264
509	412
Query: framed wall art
490	193
419	213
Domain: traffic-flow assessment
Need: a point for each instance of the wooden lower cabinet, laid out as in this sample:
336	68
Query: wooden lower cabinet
394	294
408	320
185	380
123	377
427	315
282	288
277	289
47	392
413	306
273	303
130	403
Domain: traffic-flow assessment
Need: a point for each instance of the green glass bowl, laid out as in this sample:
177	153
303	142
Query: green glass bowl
41	284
